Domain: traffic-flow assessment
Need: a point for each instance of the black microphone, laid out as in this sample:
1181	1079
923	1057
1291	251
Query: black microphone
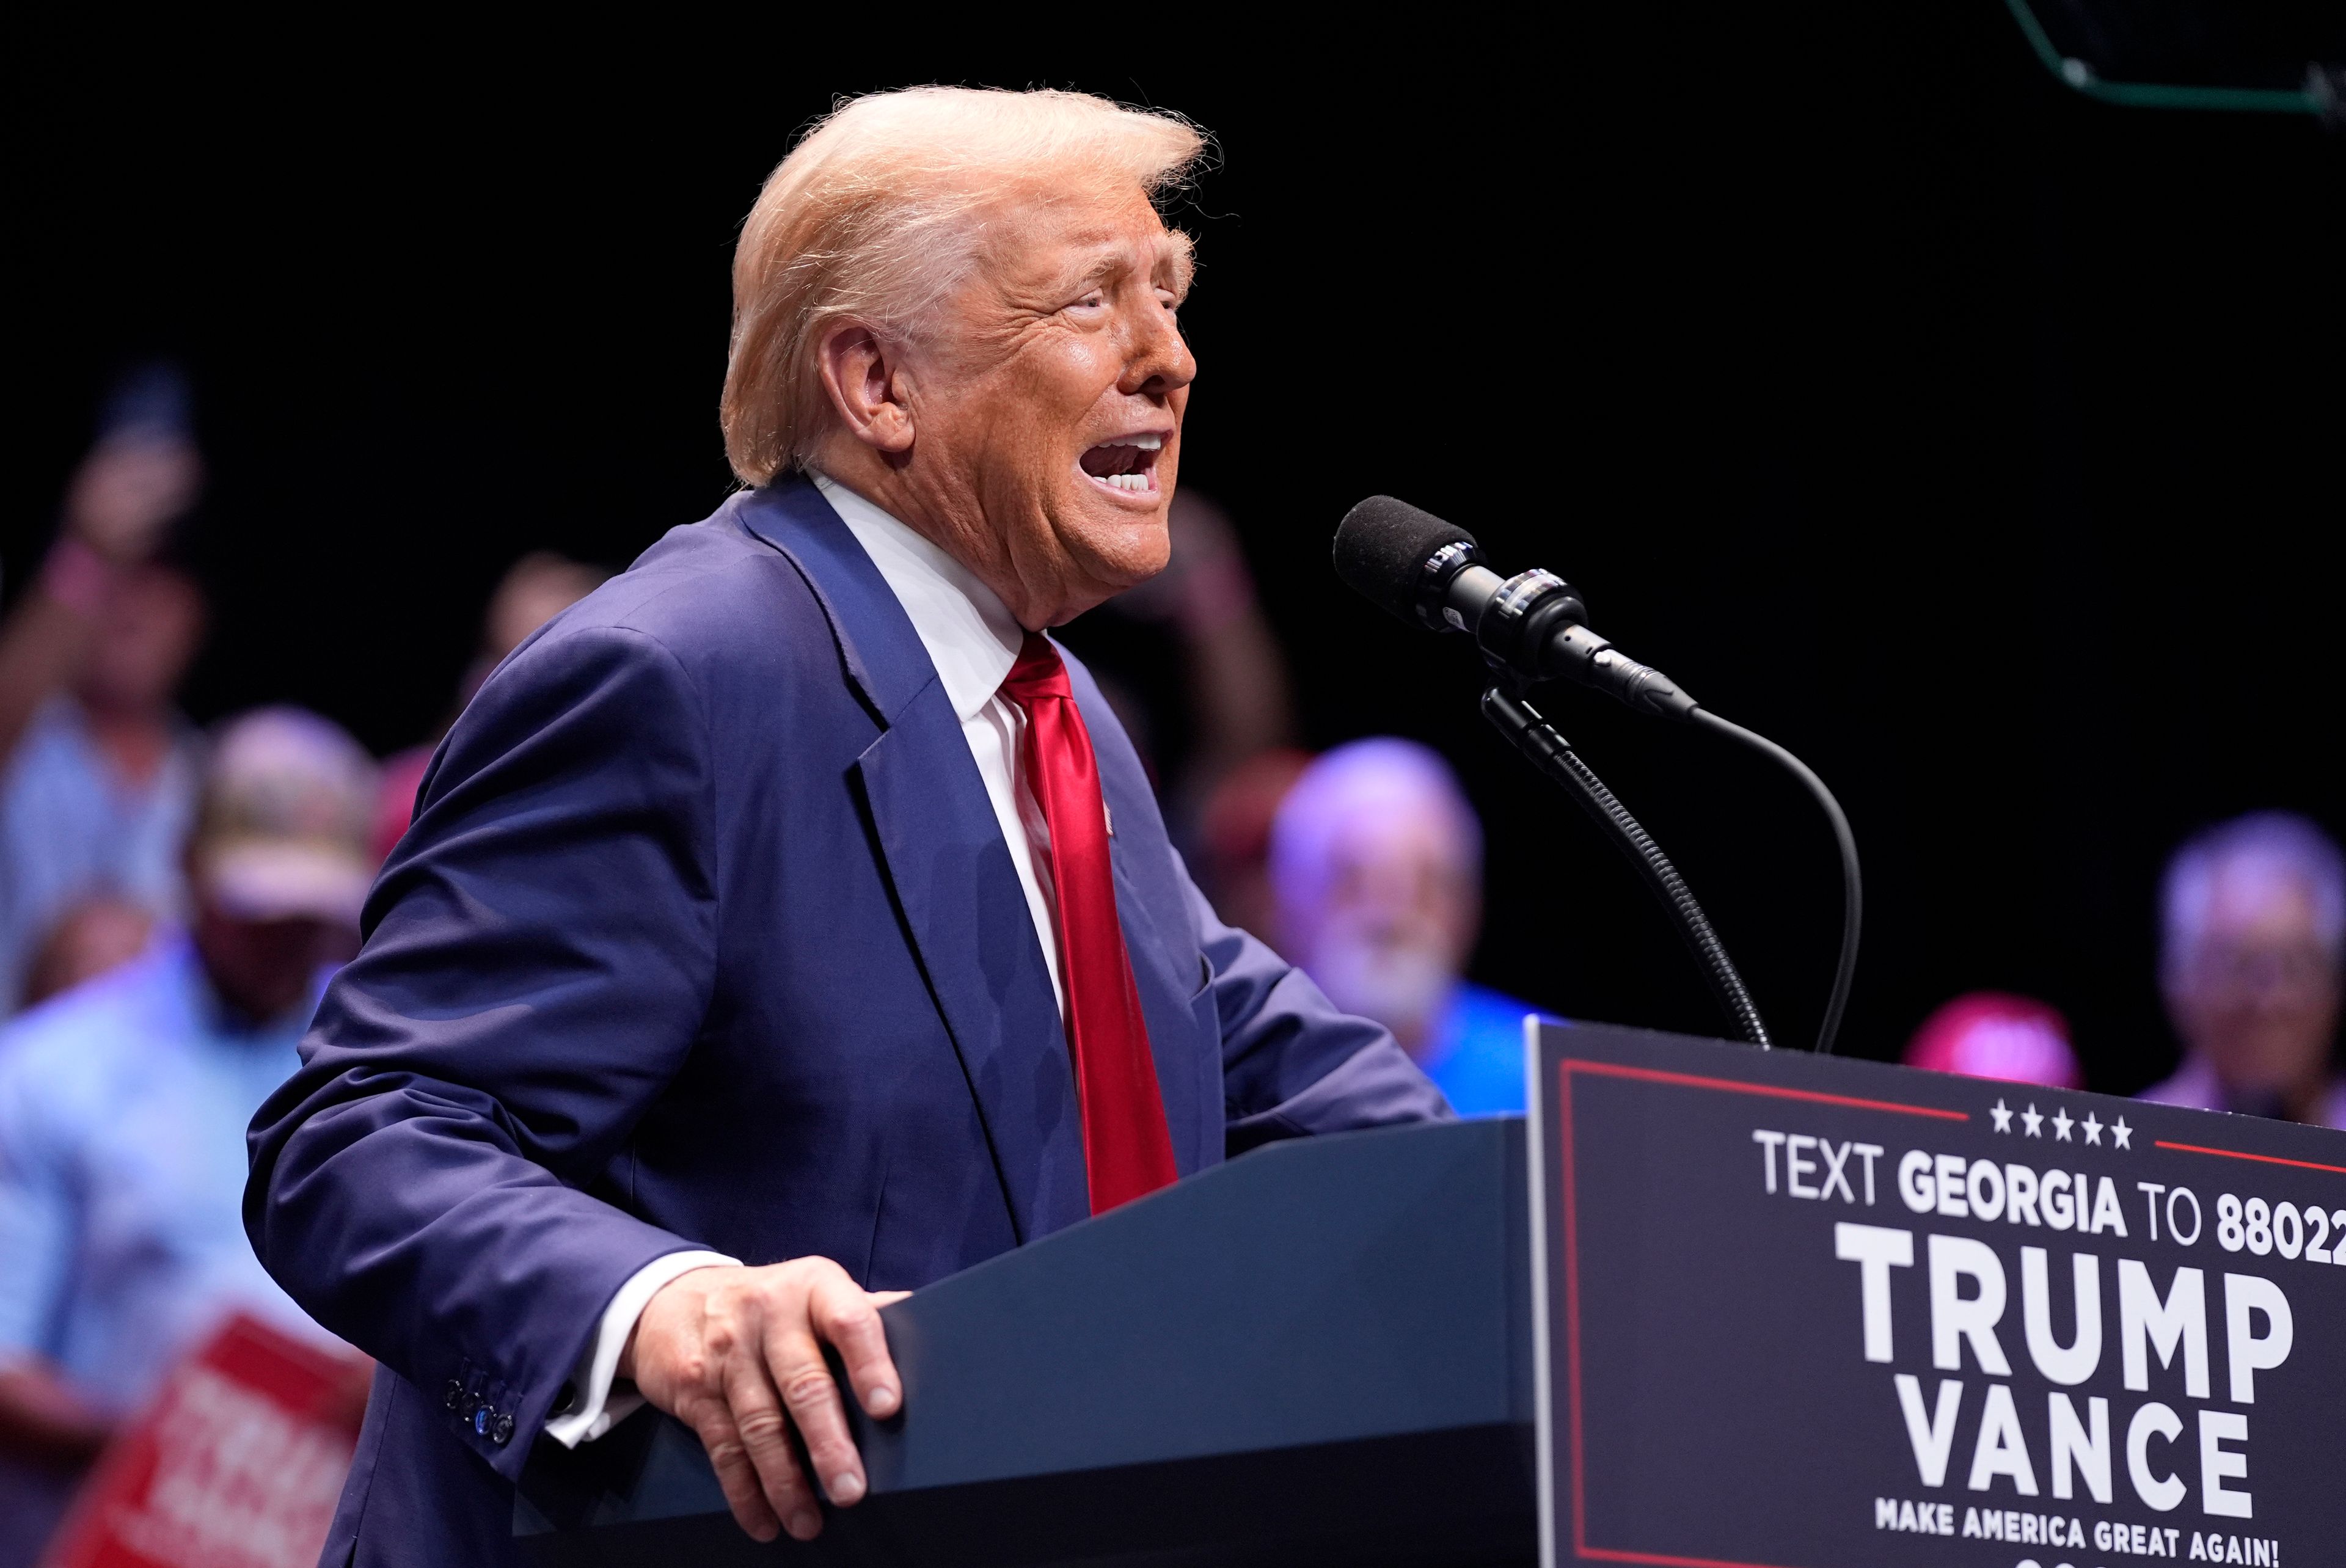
1533	625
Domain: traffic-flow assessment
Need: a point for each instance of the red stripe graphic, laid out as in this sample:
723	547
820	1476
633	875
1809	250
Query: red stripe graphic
1571	1314
2260	1159
1606	1554
1736	1086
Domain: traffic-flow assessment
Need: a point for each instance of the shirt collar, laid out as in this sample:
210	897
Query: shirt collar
971	637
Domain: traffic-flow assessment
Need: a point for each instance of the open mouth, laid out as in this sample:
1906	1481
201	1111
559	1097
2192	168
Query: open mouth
1127	463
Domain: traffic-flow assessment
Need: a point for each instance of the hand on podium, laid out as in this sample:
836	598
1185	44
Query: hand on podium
736	1354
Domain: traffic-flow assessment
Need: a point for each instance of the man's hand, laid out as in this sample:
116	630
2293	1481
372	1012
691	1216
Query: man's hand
736	1354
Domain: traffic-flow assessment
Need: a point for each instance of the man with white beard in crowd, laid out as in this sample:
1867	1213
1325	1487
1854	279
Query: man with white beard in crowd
1376	860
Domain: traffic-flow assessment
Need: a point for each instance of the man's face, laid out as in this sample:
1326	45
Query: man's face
148	632
1395	920
1046	403
2256	995
265	967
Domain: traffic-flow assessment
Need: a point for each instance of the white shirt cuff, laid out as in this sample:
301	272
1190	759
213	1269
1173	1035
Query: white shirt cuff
597	1409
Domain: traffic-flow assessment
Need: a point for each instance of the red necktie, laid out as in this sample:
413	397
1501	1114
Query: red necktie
1128	1151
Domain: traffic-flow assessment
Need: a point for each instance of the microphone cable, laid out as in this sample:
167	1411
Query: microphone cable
1853	884
1549	752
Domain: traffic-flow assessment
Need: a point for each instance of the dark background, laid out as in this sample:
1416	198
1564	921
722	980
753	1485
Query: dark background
1979	443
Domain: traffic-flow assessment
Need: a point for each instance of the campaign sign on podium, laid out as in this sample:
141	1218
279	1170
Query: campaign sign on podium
1809	1313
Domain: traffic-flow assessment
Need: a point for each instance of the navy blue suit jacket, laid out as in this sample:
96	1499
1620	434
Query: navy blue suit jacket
706	935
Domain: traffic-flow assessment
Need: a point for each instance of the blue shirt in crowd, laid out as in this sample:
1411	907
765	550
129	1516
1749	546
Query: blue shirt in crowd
71	829
123	1107
1475	1055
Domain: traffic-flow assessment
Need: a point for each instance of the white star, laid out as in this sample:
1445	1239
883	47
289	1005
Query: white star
2062	1123
2032	1121
2120	1133
2093	1126
2002	1115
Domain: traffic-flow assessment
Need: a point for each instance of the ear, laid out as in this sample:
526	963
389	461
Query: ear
866	382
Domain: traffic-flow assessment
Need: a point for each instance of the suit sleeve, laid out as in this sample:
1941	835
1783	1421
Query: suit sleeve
539	956
1292	1065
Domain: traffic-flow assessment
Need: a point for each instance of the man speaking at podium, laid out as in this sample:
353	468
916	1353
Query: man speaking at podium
790	922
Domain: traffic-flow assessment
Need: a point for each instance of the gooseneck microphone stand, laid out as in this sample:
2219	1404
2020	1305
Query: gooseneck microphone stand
1549	752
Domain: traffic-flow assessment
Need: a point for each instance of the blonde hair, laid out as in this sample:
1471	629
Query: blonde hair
877	215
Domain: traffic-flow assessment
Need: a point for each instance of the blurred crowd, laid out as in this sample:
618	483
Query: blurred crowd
2252	948
171	899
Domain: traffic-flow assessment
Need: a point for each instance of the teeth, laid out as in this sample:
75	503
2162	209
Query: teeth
1124	481
1146	442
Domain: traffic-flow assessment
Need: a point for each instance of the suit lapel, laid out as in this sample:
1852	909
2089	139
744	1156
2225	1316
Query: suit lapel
1172	1029
962	905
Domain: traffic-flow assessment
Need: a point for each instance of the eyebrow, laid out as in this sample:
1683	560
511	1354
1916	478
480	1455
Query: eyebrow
1179	252
1172	252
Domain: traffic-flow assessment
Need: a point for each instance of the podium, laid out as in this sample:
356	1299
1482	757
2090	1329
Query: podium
1708	1307
1317	1353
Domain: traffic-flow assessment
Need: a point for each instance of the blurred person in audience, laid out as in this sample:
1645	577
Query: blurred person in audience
123	1106
1376	863
98	769
96	936
533	590
1991	1035
2253	921
1234	850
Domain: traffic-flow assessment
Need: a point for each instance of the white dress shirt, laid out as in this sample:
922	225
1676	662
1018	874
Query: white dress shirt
972	640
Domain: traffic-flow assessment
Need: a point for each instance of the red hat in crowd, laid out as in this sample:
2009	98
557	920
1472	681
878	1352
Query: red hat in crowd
1990	1034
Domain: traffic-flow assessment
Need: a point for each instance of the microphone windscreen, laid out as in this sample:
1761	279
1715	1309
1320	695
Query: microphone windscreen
1380	547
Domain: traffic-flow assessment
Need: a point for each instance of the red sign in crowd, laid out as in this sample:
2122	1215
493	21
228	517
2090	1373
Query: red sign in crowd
237	1464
